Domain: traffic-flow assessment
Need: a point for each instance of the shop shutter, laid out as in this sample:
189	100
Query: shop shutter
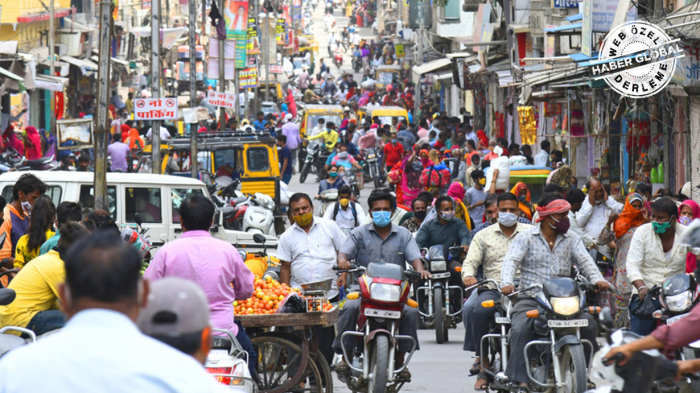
694	158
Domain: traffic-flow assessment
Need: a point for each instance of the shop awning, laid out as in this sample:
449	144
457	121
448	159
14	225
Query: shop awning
7	74
86	66
544	77
445	76
114	60
52	83
574	18
431	66
563	28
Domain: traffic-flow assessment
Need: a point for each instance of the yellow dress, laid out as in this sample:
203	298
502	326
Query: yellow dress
23	254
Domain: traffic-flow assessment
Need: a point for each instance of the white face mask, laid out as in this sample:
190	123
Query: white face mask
27	207
507	219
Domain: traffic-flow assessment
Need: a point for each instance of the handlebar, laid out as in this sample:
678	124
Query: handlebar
531	287
482	282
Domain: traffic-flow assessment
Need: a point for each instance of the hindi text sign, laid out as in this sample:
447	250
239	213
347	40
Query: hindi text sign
224	100
155	109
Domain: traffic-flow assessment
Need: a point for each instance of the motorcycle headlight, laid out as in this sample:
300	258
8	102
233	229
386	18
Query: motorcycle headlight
385	292
565	305
438	266
680	302
370	156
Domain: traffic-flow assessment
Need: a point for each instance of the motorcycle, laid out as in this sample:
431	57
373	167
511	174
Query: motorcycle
252	213
11	159
315	160
327	198
374	170
338	59
357	61
383	290
227	361
644	371
560	363
352	177
435	308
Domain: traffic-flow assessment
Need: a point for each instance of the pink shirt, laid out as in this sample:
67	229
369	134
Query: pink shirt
681	333
213	264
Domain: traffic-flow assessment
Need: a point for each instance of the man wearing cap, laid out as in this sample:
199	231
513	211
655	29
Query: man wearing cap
329	88
542	252
212	263
291	130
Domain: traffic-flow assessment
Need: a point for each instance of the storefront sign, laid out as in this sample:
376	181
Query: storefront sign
603	13
155	109
248	78
564	4
79	131
400	51
276	69
637	59
587	29
279	31
224	100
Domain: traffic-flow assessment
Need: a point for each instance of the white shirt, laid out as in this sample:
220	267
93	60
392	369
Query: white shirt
646	259
312	255
345	219
164	133
541	158
592	219
575	228
102	351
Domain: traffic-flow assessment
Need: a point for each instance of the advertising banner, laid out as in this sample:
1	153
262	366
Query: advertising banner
155	109
236	18
248	78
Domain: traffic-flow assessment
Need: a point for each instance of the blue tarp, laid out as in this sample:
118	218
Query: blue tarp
574	18
563	28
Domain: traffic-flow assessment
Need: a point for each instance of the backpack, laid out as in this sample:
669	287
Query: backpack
352	209
431	177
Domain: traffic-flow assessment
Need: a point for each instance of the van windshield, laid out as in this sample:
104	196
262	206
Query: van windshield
312	122
178	195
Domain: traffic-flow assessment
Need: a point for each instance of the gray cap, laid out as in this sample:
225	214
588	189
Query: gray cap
175	307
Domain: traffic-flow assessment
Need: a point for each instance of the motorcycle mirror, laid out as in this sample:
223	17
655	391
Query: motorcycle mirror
138	219
606	319
258	238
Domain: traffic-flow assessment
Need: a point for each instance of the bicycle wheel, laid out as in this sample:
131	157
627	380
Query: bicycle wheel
281	363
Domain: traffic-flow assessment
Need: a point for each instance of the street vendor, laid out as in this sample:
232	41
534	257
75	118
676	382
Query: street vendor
308	250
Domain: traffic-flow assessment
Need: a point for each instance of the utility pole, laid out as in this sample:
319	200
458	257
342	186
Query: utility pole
419	62
266	55
102	132
155	84
222	74
52	34
256	12
237	107
193	87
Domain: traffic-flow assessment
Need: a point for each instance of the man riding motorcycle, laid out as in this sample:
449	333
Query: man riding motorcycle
543	252
380	241
488	248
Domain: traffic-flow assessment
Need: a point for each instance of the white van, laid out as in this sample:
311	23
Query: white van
155	198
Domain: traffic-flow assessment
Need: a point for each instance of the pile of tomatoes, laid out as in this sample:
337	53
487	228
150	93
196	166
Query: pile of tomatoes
267	296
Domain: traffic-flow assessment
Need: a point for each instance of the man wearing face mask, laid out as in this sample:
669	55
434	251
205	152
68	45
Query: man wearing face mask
346	213
595	212
475	196
491	215
380	241
542	252
448	232
393	152
308	251
16	221
488	249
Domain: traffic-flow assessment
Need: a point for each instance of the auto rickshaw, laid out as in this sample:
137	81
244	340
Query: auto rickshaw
387	74
385	113
329	113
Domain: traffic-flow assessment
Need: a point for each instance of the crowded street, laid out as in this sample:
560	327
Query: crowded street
351	196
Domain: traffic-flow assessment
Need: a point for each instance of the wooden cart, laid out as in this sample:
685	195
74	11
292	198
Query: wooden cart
287	350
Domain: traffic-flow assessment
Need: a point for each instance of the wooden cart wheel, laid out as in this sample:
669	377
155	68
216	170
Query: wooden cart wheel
281	363
325	369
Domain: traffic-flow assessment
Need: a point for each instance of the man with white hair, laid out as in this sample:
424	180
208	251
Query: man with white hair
304	78
291	130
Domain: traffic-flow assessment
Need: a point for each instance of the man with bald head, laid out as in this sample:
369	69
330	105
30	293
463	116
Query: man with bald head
596	210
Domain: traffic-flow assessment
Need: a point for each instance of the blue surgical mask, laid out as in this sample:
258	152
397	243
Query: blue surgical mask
394	141
381	219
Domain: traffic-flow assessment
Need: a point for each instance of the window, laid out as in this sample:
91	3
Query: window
312	122
451	11
144	201
87	200
222	157
258	160
53	192
386	78
178	195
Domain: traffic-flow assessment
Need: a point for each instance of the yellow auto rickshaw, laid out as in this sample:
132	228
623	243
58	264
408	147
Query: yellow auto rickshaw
384	113
330	113
387	74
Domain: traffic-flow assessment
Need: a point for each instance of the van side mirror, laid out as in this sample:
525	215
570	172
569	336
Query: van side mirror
258	238
138	219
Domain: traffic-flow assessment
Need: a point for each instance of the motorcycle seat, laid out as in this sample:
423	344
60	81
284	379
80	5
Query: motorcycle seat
40	161
386	270
9	342
238	200
221	343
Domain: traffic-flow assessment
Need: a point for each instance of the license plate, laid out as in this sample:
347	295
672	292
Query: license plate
566	324
502	320
440	275
371	312
676	318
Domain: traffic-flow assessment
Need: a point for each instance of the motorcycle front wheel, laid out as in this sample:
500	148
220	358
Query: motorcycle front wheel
439	310
380	365
304	173
573	369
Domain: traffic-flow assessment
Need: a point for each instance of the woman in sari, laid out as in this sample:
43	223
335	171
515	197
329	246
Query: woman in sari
412	169
424	158
10	139
633	215
134	140
687	212
524	200
456	191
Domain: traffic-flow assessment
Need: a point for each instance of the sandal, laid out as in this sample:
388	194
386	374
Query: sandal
476	368
341	367
485	378
405	375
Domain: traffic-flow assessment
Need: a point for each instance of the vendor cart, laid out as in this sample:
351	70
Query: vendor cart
288	356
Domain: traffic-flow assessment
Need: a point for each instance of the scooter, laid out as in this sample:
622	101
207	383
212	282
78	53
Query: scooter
327	198
228	362
384	290
357	61
439	297
338	59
